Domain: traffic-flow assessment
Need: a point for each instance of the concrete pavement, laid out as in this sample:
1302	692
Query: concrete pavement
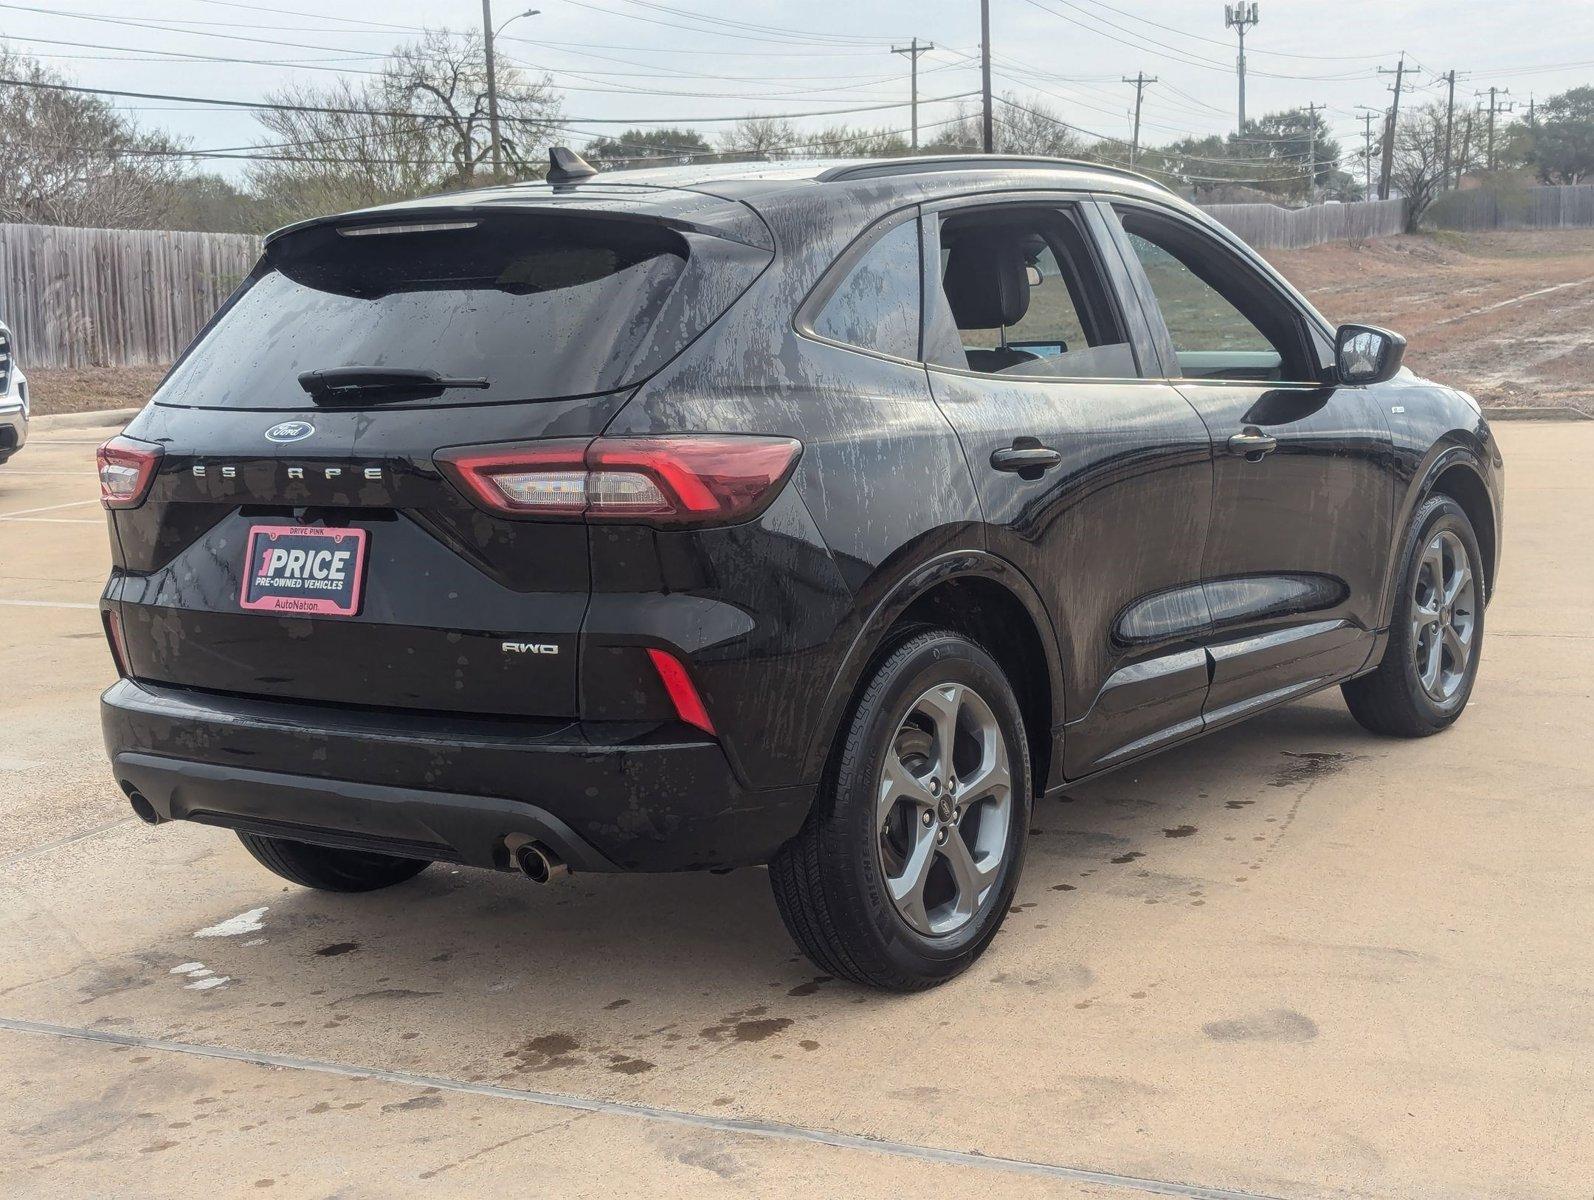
1294	960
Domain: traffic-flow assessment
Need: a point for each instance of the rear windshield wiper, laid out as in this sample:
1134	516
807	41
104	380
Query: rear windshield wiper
379	384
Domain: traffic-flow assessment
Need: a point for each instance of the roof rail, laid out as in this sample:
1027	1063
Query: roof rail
883	167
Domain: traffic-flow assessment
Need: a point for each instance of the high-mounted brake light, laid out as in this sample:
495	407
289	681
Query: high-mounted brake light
127	468
713	479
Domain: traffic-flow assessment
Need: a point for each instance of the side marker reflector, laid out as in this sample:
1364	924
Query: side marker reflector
683	693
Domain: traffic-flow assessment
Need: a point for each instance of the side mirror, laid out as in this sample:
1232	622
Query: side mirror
1365	354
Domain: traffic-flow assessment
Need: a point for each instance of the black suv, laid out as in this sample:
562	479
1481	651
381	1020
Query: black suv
816	515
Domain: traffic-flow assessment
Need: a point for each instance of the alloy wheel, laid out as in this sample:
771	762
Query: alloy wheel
943	809
1444	617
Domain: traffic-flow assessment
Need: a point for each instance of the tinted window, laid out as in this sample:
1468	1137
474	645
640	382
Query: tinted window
876	306
1021	287
1197	315
1225	319
542	306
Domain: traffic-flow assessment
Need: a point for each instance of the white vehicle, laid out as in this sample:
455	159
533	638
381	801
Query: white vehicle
13	399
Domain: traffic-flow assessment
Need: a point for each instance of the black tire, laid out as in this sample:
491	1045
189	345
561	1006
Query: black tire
1392	700
328	869
830	882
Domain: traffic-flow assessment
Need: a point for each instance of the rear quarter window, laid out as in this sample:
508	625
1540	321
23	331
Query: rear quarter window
876	304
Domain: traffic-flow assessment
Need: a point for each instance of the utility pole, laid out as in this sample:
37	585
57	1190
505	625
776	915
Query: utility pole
913	51
1466	148
1450	127
1241	17
1387	171
1495	109
492	89
987	119
1369	115
488	35
1311	155
1141	82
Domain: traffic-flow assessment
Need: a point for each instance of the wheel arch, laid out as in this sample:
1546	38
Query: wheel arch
1457	476
986	599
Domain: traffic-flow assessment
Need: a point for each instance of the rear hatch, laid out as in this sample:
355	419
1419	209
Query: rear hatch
298	539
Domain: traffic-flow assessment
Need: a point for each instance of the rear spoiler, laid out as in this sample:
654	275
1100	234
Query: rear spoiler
672	208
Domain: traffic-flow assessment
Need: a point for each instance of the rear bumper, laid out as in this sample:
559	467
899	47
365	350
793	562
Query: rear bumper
605	796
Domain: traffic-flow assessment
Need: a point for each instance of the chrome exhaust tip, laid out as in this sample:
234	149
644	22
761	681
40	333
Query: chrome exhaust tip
539	864
143	809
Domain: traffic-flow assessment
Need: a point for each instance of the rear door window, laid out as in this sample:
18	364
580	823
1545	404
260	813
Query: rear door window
542	306
1022	288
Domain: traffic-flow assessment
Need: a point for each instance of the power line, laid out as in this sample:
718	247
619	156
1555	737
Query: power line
277	106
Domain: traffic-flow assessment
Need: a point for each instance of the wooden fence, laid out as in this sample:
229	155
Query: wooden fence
1520	208
113	297
135	297
1269	227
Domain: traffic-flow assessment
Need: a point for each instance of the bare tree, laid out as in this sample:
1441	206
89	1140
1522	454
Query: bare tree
1420	161
1019	126
844	141
70	159
419	126
760	137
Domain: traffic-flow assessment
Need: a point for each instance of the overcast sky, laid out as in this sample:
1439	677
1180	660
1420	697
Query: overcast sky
654	59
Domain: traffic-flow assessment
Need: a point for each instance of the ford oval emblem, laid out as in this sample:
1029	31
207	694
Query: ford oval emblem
290	431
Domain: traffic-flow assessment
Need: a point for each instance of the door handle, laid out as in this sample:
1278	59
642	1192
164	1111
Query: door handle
1022	459
1253	444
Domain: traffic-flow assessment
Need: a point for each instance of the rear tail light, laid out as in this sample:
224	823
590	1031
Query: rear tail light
127	468
686	480
683	692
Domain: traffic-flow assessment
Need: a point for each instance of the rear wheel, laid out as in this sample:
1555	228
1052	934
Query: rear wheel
1436	638
328	869
906	867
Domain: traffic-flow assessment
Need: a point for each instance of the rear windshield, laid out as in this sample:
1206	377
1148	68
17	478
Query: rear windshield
541	306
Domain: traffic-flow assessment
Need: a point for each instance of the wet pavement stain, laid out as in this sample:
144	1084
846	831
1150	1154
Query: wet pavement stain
631	1066
747	1025
1275	1025
1311	766
812	986
1064	887
1129	858
1179	831
428	1099
546	1052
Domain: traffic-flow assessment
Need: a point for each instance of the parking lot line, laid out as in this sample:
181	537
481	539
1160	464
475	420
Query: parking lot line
46	604
647	1112
28	512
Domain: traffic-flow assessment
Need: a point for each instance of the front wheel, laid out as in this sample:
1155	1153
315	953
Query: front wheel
907	865
1436	638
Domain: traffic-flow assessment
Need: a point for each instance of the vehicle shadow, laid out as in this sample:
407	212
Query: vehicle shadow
704	949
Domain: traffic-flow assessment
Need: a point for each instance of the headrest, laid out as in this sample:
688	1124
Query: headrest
987	280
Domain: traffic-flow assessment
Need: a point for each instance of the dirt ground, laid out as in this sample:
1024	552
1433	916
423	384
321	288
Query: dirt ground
1505	315
90	389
